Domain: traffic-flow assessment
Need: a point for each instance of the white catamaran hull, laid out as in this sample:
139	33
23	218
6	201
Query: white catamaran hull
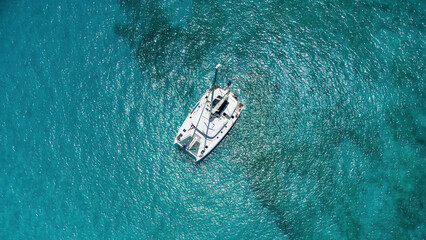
206	125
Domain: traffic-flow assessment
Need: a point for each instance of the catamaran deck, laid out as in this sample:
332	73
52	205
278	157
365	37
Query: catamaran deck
209	121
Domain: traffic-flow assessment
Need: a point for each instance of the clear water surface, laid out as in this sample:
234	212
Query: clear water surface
331	144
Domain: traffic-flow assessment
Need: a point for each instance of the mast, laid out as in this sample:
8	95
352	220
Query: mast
211	102
213	87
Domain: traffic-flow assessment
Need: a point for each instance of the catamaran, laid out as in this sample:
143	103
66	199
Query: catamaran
209	121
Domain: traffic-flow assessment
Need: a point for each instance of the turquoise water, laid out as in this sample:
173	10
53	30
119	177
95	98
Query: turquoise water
331	144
